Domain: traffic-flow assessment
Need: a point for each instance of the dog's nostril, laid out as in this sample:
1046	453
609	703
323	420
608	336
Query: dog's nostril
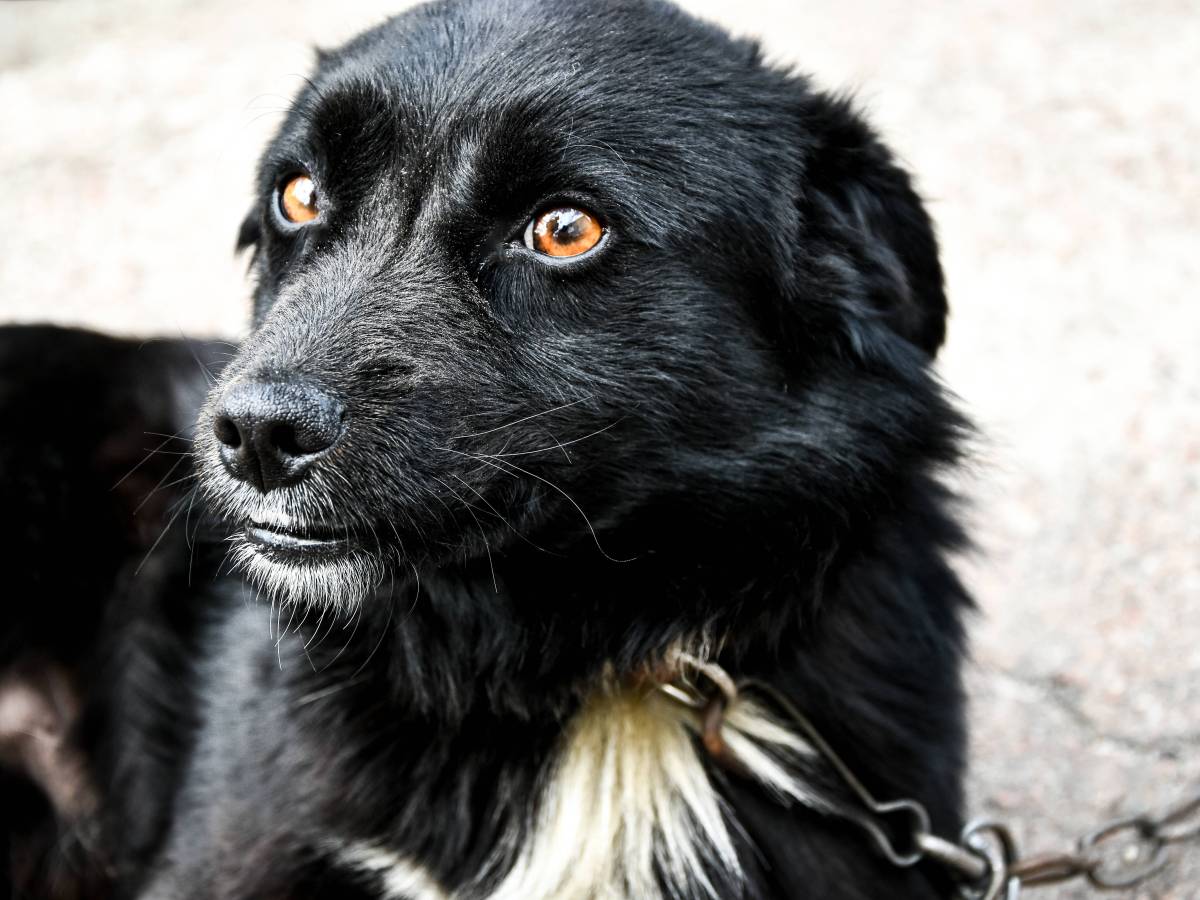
227	432
284	439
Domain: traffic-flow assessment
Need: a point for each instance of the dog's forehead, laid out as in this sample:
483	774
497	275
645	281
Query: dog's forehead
474	99
491	47
639	75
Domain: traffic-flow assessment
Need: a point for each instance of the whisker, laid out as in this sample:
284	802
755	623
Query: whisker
353	631
178	481
328	631
154	490
317	628
498	514
486	546
379	643
204	370
417	595
504	465
559	445
159	452
169	438
544	412
225	560
304	618
191	539
323	693
162	534
399	541
445	506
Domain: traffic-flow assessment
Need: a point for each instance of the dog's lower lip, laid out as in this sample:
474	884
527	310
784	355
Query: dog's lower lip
296	543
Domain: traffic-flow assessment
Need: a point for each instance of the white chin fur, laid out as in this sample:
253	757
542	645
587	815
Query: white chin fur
340	581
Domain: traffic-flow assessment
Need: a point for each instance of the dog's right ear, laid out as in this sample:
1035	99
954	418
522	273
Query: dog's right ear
250	231
867	229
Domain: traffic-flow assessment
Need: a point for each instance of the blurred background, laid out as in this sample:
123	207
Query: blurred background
1058	145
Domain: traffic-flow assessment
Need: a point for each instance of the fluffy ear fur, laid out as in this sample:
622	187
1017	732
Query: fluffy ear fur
862	206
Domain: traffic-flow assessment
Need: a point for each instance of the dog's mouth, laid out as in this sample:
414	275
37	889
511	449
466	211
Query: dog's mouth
299	541
320	561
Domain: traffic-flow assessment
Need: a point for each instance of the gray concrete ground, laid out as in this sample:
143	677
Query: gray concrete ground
1059	145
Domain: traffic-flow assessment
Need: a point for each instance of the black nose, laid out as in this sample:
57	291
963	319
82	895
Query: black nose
270	432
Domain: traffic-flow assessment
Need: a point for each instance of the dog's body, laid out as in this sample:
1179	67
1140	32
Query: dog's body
496	497
103	603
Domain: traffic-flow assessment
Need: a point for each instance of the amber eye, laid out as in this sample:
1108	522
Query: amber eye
298	200
563	231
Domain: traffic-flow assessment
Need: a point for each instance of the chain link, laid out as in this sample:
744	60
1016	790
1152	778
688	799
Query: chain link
986	861
1118	855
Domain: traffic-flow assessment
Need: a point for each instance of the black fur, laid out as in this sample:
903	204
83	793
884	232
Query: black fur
722	421
95	460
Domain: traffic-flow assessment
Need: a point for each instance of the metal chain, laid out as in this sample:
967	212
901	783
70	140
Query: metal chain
986	860
1120	854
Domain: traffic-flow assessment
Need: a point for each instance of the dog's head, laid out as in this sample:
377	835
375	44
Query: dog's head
528	273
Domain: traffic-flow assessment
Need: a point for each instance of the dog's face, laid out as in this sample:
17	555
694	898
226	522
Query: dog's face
527	271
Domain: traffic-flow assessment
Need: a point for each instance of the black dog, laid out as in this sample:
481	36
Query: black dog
96	631
589	353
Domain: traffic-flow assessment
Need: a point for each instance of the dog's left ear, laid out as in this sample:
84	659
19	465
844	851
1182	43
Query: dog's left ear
859	205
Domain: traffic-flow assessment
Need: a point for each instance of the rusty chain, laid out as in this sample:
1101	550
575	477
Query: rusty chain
986	861
1118	855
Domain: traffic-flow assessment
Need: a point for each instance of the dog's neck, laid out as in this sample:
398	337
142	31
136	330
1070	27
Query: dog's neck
528	632
520	671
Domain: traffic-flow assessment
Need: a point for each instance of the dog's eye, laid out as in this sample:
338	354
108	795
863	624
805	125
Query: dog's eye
298	200
563	231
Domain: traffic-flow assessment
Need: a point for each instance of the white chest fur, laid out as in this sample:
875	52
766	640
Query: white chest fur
627	801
